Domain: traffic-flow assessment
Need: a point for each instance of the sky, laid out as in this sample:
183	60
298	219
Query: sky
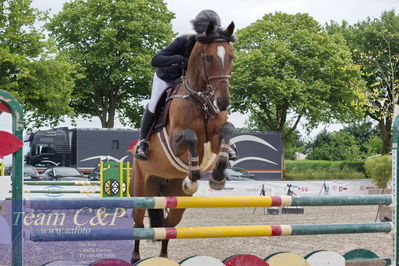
244	13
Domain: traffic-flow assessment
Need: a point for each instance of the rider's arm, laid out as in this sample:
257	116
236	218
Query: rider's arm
172	54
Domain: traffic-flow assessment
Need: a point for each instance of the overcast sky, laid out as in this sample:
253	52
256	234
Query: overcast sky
243	13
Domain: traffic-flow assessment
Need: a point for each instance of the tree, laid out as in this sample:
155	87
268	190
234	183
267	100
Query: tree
112	42
373	146
336	146
365	135
30	68
288	69
375	47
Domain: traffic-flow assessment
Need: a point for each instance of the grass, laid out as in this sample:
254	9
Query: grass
322	174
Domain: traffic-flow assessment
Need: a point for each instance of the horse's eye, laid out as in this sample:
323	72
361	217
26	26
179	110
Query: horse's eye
208	58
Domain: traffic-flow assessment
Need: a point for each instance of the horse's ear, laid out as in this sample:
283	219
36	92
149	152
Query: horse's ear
230	28
210	29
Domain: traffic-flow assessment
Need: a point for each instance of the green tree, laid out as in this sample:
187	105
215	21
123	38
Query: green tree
113	43
288	68
373	146
366	136
29	66
375	47
336	146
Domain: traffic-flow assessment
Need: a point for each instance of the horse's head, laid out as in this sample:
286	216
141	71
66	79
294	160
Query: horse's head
210	65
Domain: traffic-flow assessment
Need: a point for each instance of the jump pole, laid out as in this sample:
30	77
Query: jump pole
208	202
62	183
44	191
213	232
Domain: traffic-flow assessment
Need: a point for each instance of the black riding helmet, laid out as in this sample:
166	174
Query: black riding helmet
203	18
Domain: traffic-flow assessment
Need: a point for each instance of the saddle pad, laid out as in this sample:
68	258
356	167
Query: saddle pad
163	106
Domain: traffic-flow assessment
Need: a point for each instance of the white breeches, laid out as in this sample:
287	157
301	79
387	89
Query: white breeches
158	87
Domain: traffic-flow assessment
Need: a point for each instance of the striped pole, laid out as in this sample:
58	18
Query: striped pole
62	183
44	191
212	232
209	202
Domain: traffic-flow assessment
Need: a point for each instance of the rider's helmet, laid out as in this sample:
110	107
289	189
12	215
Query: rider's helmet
203	18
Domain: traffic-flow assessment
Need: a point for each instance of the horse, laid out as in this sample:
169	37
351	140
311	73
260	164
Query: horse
195	138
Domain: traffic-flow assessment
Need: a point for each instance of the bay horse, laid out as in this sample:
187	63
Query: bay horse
196	136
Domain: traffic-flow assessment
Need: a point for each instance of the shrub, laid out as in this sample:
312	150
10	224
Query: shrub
380	170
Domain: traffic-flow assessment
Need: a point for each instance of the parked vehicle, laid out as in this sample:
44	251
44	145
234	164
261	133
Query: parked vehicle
30	173
238	174
95	174
64	174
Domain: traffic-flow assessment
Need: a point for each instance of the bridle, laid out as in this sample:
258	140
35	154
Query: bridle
206	97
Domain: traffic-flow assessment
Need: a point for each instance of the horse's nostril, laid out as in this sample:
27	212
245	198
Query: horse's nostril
223	103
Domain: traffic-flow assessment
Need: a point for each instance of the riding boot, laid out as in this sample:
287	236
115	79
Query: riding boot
232	154
146	124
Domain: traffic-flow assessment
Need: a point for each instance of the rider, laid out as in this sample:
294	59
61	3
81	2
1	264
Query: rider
170	63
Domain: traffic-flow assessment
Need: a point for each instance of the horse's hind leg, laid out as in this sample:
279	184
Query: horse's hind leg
181	140
218	178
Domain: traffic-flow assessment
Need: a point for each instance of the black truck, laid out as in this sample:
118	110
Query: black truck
83	148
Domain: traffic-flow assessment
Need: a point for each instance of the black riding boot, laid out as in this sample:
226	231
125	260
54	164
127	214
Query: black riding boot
146	124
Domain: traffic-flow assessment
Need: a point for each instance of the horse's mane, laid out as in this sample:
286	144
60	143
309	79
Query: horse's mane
190	45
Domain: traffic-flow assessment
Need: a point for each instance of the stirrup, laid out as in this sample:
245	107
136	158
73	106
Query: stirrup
142	150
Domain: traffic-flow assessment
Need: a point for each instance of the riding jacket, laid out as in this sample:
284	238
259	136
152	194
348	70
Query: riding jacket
173	58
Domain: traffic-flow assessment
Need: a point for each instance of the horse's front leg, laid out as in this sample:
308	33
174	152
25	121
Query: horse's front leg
181	140
218	178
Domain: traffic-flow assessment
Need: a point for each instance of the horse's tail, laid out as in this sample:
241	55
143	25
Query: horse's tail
156	217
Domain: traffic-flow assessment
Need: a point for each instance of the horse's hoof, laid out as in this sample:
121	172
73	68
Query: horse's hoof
135	258
216	184
163	254
189	187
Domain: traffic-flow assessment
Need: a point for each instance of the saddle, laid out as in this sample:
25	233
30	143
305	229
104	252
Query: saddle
162	109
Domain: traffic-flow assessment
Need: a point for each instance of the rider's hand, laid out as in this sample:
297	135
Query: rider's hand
181	62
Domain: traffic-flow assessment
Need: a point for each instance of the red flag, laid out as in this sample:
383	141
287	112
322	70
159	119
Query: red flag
9	143
4	108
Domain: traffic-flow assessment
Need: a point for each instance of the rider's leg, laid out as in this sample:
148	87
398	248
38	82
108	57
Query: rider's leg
146	124
158	87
